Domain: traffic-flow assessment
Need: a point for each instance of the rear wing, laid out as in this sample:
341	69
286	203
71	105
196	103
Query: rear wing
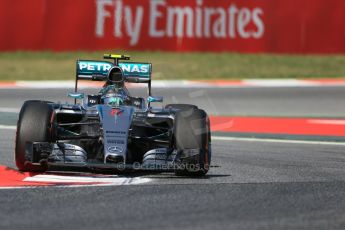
135	72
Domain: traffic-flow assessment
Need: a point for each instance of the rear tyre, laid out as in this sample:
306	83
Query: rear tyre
192	131
34	124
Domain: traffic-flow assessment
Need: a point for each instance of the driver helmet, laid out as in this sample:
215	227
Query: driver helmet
115	77
113	93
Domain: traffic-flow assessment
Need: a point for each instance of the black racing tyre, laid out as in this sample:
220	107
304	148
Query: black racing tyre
192	131
46	102
34	124
185	110
181	106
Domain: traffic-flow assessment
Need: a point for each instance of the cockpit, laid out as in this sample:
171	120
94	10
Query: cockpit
114	93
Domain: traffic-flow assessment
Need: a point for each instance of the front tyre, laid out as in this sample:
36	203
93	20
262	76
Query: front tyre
34	124
192	140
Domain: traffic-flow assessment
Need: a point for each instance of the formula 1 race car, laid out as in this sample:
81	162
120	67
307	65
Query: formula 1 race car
112	129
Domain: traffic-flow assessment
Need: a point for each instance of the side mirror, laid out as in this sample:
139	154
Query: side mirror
154	99
76	95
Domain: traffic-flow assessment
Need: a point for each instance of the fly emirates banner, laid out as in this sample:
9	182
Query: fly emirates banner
278	26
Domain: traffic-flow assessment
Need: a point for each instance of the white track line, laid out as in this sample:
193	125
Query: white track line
130	181
12	127
70	181
69	186
9	110
110	180
220	138
278	82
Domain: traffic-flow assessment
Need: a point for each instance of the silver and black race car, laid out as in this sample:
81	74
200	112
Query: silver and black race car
112	129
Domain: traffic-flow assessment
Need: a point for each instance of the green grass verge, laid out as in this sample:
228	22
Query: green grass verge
167	65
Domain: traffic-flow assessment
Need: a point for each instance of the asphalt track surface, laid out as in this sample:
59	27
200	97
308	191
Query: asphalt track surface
253	185
256	101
